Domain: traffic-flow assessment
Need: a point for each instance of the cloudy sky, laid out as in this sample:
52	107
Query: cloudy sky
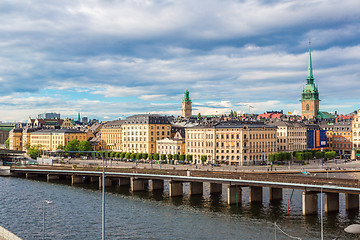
112	58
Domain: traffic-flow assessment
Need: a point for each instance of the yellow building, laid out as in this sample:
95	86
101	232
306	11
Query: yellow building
111	135
234	143
140	132
51	139
15	139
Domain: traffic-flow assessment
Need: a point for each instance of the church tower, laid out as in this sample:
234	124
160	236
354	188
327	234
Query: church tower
310	95
186	105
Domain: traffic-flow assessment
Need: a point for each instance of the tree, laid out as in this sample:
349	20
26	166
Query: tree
176	156
163	157
170	157
199	115
299	156
112	154
7	143
85	146
27	146
34	152
271	157
138	156
133	155
151	156
203	158
127	155
122	155
319	154
156	156
73	145
144	156
182	157
60	147
189	158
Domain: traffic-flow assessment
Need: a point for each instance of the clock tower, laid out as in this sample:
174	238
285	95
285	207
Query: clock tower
186	105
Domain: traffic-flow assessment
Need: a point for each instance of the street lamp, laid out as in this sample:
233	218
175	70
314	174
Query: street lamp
103	188
44	202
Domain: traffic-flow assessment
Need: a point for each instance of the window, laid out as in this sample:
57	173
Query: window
307	107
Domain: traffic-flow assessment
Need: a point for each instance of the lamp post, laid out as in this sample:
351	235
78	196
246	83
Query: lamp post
103	189
44	202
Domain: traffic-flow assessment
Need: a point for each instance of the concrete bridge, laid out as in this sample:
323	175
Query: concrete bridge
140	182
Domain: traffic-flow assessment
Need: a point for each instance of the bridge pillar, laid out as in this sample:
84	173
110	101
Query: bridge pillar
275	194
175	188
234	194
50	177
331	202
107	182
137	184
256	194
76	179
124	182
30	175
94	179
196	188
157	184
351	201
309	203
215	188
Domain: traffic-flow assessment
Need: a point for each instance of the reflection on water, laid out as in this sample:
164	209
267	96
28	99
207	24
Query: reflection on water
76	213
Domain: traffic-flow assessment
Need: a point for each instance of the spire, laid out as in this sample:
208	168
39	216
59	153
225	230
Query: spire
310	71
186	96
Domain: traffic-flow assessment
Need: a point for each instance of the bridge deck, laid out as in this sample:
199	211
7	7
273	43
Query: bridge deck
307	183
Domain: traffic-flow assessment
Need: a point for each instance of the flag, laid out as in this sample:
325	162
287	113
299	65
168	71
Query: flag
290	113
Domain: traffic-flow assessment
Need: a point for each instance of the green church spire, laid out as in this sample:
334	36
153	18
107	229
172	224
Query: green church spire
310	76
186	96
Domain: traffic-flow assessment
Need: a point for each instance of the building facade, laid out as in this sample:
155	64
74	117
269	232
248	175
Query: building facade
342	138
233	143
310	95
291	136
172	146
186	105
51	139
355	125
111	135
140	132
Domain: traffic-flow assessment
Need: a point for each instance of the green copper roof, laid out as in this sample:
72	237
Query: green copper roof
310	71
310	91
325	115
186	96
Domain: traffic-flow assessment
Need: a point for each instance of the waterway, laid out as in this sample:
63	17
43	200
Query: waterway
75	213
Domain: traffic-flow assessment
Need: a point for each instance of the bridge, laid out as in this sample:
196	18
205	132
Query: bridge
150	180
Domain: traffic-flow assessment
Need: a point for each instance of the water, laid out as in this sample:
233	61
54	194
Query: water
75	213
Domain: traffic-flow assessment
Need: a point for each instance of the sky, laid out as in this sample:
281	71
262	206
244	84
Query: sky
109	59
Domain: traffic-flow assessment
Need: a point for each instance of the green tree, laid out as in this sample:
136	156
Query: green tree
112	154
163	157
133	155
182	157
299	156
156	156
203	158
7	143
199	115
34	152
176	156
151	156
170	157
189	158
73	145
85	146
122	155
319	154
138	156
127	155
144	156
271	157
60	147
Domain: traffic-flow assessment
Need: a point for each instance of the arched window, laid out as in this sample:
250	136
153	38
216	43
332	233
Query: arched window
307	107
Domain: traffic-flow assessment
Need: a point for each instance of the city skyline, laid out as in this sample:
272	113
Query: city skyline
118	58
